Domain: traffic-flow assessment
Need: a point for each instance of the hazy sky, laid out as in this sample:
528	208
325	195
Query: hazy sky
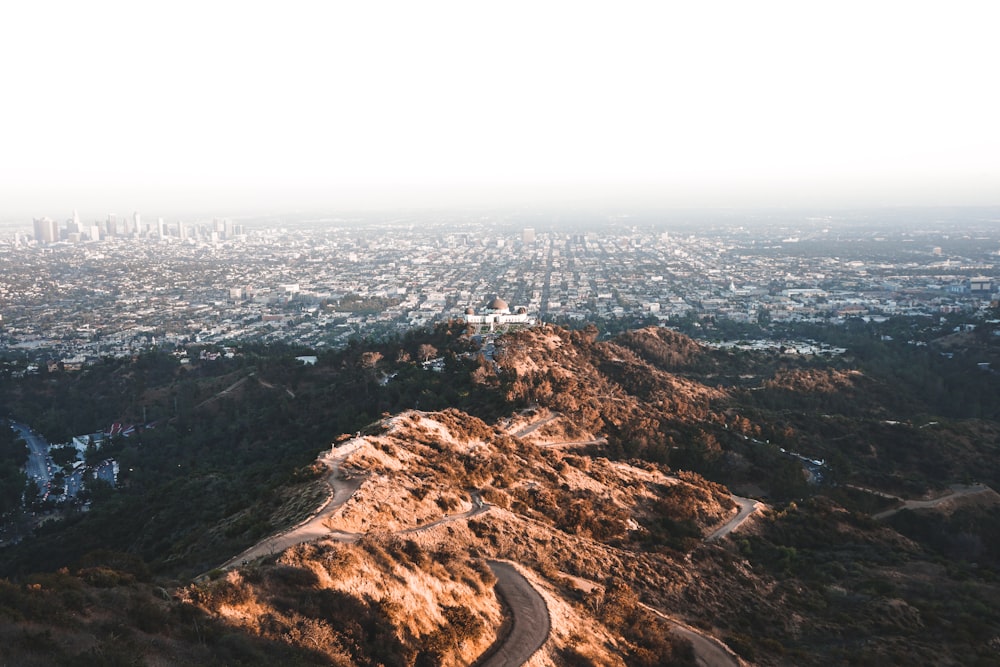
118	106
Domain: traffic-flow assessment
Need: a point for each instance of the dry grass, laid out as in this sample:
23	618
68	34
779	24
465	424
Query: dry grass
412	578
338	599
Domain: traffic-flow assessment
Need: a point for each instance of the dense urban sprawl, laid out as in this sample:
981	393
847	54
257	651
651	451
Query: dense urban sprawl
73	297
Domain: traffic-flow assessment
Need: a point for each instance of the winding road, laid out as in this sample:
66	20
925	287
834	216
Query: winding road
747	507
529	613
708	651
530	622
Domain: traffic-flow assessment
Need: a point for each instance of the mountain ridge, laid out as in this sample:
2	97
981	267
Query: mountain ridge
601	469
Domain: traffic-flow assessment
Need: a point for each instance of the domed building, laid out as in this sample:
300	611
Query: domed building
497	314
498	306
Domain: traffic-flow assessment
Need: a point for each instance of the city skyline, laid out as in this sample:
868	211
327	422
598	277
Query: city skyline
229	110
147	285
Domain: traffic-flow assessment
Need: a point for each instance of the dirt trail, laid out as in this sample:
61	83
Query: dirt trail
956	491
531	428
312	527
574	443
874	492
225	391
747	505
344	536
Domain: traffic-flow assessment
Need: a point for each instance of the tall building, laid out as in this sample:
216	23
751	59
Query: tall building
980	286
224	227
528	235
46	230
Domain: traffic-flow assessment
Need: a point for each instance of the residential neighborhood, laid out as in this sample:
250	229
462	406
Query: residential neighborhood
320	282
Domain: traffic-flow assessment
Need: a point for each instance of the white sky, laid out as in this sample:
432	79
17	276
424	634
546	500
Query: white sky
117	106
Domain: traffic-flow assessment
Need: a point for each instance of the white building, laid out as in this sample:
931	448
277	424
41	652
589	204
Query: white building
498	314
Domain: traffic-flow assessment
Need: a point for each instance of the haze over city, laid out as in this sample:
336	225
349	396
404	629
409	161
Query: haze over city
232	109
500	334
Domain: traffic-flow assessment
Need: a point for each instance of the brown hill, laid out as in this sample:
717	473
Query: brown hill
592	497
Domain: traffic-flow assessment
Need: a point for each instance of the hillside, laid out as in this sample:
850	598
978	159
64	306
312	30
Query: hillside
658	395
593	475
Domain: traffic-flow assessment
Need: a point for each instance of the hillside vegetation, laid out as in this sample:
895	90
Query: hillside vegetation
597	467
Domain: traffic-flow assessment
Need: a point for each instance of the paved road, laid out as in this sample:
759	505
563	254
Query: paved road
747	507
708	651
74	482
530	615
957	490
105	470
39	466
